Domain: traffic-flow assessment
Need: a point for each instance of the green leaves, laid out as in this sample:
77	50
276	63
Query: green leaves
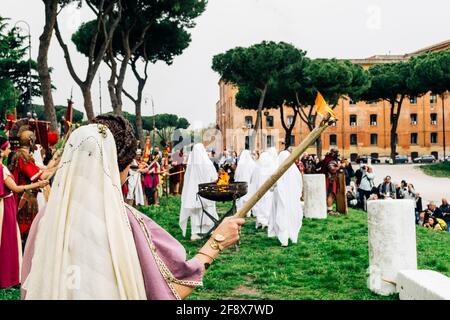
14	70
431	72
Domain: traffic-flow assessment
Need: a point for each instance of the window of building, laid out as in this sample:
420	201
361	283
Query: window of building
352	102
413	118
249	122
414	155
433	118
413	138
353	120
333	140
292	140
353	139
269	121
433	99
373	139
413	100
373	119
434	137
270	141
290	120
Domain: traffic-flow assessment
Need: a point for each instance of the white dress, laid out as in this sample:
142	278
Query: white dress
286	217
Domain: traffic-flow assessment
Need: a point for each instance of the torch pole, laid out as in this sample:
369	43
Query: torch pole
296	153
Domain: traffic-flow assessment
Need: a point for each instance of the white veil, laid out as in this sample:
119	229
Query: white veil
84	246
200	169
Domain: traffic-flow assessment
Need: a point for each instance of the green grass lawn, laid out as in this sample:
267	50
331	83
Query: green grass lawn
329	262
441	170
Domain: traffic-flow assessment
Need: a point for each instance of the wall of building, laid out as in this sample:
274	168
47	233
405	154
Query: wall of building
231	122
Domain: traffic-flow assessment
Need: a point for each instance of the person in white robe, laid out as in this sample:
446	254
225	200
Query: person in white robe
199	170
265	167
286	217
273	153
244	170
135	191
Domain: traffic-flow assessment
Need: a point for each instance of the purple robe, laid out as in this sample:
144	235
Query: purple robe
162	258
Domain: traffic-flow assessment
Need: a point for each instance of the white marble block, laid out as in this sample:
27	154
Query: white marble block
423	285
315	196
392	242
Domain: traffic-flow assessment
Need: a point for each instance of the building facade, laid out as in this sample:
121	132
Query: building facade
362	129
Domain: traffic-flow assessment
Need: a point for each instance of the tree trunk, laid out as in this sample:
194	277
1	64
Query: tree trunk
287	129
443	124
395	117
87	97
258	125
319	147
51	11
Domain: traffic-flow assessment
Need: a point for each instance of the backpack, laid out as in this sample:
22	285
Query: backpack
442	224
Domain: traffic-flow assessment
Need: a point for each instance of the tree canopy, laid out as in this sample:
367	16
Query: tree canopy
14	71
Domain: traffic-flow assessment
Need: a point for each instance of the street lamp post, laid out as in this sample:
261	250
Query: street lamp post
154	122
29	61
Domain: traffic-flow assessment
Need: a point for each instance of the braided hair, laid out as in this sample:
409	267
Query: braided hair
124	137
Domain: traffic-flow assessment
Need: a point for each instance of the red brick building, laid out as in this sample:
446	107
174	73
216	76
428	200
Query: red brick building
362	129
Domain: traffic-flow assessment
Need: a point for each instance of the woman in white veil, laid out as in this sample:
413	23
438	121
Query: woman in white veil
200	169
244	170
84	248
87	244
286	217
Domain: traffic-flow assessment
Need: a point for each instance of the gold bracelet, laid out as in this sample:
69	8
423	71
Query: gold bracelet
207	255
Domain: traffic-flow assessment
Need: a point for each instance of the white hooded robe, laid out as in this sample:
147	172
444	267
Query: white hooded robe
199	170
265	167
244	170
286	217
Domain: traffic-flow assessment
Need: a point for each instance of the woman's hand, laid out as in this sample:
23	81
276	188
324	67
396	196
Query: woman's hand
42	183
230	229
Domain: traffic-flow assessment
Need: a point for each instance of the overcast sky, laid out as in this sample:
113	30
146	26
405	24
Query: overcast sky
188	88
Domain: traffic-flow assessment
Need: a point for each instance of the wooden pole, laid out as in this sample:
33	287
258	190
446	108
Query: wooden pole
296	153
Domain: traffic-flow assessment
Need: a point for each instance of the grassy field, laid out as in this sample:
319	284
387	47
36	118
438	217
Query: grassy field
441	170
329	262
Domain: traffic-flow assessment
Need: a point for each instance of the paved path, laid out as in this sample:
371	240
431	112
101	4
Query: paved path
430	188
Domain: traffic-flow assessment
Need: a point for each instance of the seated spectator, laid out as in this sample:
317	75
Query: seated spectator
445	209
387	188
435	224
374	196
434	211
